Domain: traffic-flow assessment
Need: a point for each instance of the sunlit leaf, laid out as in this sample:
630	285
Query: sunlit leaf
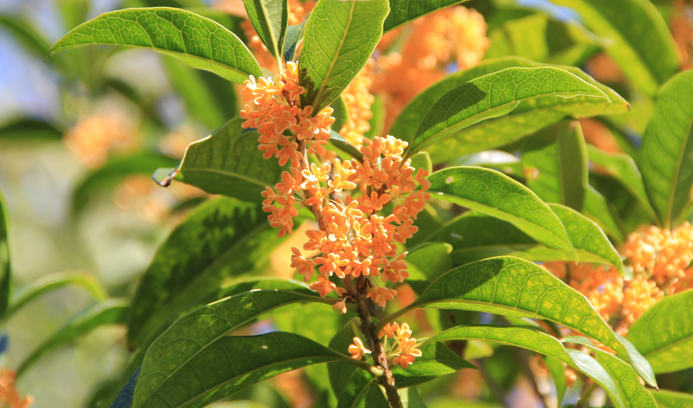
666	157
199	42
270	19
497	195
598	210
672	399
339	38
5	263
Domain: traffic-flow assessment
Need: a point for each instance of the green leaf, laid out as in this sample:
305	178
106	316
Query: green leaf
356	389
555	163
627	380
377	121
528	117
495	194
422	160
342	144
30	38
113	173
340	372
598	210
557	372
227	162
340	36
198	41
515	287
218	371
494	95
294	35
664	334
541	343
637	38
220	239
426	263
30	130
22	296
270	19
623	168
171	354
666	156
404	11
5	262
112	311
672	399
589	241
437	360
340	114
124	397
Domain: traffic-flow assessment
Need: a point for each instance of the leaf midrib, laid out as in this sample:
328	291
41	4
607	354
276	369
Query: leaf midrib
668	346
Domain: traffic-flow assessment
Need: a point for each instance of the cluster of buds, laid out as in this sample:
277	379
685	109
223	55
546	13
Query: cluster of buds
9	395
401	352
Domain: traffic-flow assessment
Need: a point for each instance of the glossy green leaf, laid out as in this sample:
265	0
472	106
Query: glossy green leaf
218	372
339	38
21	296
495	194
664	334
220	239
541	343
227	162
493	95
528	117
589	241
340	114
404	11
5	262
113	173
598	210
27	129
625	377
672	399
231	22
666	157
637	38
437	359
199	42
270	19
555	163
110	312
172	354
623	168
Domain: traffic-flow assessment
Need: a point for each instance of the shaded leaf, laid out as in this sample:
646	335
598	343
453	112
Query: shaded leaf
124	397
342	144
5	261
220	239
664	333
672	399
427	262
199	42
637	38
270	19
339	38
113	173
404	11
294	35
216	373
666	157
598	210
623	168
227	162
356	389
112	311
557	371
497	195
30	130
340	114
437	360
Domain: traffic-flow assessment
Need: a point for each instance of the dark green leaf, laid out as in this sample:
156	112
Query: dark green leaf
541	343
671	399
637	38
227	162
598	210
199	42
124	397
664	334
270	19
356	389
30	130
342	144
114	172
437	360
494	95
666	157
340	372
623	168
426	263
528	117
495	194
340	114
5	262
112	311
220	239
340	36
218	371
404	11
294	35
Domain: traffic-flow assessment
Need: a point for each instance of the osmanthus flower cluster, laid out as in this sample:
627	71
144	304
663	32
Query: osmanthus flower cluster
354	242
660	260
9	395
401	352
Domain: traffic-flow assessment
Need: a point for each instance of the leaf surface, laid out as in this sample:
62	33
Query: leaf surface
437	359
339	38
404	11
666	157
598	210
124	397
270	19
198	41
30	130
672	399
497	195
5	262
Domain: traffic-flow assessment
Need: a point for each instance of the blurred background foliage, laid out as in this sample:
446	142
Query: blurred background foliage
81	135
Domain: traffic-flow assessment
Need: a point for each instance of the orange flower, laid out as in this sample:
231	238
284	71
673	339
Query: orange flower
381	295
304	266
389	330
407	354
357	349
9	395
639	295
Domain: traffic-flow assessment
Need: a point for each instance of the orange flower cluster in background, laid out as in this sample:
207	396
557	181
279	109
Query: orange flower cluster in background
682	30
94	137
9	395
660	262
358	100
451	35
